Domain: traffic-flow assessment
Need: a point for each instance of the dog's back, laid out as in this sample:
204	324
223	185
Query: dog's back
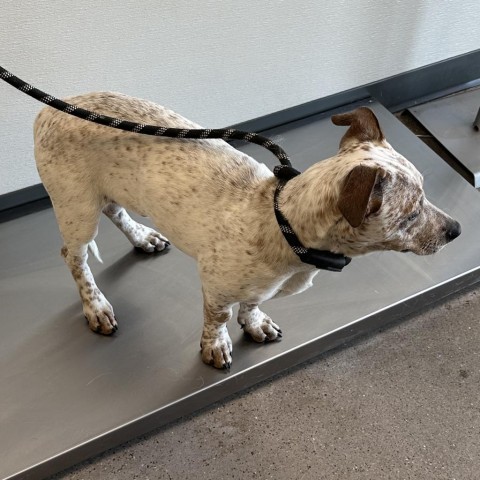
86	166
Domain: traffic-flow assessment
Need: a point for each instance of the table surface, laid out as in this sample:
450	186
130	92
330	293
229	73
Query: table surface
450	121
67	393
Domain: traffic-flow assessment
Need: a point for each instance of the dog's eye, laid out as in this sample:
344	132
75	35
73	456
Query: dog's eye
413	216
406	222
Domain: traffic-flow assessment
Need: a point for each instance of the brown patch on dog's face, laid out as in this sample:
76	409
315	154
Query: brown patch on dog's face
357	192
364	126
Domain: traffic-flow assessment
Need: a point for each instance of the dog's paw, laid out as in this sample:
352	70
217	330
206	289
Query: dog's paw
149	240
100	317
217	351
261	328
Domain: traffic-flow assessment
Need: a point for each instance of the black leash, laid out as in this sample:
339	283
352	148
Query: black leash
155	130
319	258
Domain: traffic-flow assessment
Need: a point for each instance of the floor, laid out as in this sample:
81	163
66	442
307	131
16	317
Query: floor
400	404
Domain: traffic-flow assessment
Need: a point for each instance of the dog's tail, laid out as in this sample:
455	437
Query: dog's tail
93	249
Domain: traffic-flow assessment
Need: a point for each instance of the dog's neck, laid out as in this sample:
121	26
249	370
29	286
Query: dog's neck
310	208
308	215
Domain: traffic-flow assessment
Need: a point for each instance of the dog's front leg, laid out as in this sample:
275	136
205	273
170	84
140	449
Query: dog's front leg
257	324
216	344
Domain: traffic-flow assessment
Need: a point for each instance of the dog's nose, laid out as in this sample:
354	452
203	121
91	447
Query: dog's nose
453	231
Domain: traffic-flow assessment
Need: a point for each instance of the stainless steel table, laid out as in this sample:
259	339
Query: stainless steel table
450	121
66	393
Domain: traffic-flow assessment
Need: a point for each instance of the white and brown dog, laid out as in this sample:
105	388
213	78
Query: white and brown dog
215	203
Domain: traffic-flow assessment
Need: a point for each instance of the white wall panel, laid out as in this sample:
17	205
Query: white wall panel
217	62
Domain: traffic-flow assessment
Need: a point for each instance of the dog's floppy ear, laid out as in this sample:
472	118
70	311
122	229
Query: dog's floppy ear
361	194
364	126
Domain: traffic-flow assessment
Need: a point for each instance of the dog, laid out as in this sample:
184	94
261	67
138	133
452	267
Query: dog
215	203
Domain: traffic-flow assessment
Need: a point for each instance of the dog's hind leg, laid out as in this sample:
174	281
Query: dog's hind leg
257	324
78	223
139	235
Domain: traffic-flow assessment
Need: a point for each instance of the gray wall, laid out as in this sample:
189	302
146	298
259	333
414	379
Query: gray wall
217	62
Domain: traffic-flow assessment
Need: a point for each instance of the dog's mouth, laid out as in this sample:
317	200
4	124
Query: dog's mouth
425	250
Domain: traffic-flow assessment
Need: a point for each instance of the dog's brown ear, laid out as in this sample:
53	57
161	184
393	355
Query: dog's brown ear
364	126
361	194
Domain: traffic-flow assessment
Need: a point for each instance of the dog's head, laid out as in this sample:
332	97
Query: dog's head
380	196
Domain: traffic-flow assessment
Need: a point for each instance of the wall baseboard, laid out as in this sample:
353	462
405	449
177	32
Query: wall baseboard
395	93
23	201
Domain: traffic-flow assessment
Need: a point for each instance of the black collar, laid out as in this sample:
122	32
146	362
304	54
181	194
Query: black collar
322	259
